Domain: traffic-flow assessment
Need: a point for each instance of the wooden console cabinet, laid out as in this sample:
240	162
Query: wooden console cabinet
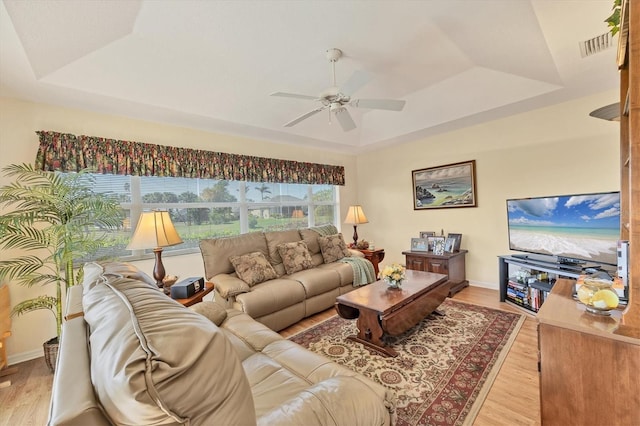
589	363
451	264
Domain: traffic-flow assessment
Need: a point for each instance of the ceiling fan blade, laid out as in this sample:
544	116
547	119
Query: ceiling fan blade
304	116
388	104
293	95
345	120
355	82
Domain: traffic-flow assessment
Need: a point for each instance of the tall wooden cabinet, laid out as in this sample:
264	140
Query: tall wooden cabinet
590	364
629	64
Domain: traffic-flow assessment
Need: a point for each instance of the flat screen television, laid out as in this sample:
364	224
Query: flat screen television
575	228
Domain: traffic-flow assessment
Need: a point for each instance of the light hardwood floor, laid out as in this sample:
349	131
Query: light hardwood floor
513	400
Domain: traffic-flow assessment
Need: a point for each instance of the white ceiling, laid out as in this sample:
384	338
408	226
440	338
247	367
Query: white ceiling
212	64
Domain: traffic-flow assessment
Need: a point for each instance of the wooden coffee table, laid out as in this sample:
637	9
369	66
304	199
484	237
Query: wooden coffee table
381	310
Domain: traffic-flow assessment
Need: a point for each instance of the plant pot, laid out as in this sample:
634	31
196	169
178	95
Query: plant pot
51	353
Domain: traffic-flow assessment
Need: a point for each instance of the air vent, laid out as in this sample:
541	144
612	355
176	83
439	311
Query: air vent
596	44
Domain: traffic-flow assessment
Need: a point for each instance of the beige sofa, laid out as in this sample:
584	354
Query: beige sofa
285	297
131	355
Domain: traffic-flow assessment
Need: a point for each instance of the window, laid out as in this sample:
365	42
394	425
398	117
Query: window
206	208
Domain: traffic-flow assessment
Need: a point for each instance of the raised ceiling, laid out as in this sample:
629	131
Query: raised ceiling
212	64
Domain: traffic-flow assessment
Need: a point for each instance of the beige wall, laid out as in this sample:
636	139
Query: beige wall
557	150
18	144
552	151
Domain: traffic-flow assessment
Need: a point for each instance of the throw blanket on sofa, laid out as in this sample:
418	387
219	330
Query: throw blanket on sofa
363	272
325	230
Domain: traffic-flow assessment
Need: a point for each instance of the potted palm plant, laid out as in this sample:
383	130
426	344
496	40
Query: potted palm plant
49	220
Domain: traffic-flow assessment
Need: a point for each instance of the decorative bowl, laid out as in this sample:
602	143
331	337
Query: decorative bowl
169	280
597	295
362	245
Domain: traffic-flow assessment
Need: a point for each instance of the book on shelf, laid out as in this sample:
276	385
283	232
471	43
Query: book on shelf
530	297
516	284
542	285
538	297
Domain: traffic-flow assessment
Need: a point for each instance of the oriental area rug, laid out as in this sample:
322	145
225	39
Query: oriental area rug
445	367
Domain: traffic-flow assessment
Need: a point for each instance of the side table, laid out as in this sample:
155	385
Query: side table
374	256
197	298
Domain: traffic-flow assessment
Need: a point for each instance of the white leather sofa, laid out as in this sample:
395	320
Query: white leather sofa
131	355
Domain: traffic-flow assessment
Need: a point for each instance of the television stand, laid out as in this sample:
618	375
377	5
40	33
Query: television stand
531	293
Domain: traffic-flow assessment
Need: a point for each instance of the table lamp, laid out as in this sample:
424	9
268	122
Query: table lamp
155	230
355	216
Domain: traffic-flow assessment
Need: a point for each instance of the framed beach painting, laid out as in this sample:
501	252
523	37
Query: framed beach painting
448	186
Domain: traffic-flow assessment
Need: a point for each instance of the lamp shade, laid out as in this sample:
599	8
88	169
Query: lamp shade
154	229
355	216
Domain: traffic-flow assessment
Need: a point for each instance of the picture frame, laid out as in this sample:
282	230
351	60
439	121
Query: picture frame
448	186
426	234
435	240
431	240
419	244
449	245
438	246
458	240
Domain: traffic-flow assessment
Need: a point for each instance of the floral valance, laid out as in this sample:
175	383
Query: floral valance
68	153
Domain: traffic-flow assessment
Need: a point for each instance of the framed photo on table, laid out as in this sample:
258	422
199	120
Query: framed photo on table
427	234
435	240
449	245
431	240
419	244
458	240
438	246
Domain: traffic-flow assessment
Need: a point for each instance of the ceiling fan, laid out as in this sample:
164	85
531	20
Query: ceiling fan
335	99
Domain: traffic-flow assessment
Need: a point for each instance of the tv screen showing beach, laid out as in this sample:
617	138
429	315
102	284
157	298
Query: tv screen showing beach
585	227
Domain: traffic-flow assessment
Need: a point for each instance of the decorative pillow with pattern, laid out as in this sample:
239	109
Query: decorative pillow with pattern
210	310
253	268
333	248
295	257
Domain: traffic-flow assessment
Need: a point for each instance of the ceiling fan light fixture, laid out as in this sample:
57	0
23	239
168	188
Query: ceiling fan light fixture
336	107
334	54
335	98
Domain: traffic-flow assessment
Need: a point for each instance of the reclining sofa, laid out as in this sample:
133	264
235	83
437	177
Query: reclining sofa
280	277
130	355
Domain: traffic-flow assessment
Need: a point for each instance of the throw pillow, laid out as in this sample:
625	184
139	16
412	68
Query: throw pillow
211	310
295	257
333	248
253	268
